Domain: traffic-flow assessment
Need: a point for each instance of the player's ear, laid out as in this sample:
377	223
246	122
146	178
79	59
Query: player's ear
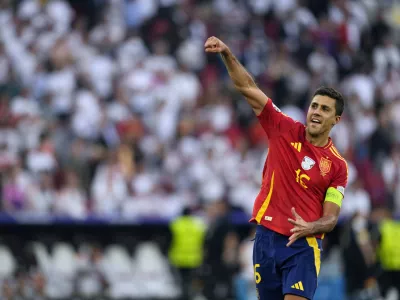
337	119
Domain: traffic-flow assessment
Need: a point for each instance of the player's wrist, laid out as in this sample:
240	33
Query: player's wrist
312	227
226	52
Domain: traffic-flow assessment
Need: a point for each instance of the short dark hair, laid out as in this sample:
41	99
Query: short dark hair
334	94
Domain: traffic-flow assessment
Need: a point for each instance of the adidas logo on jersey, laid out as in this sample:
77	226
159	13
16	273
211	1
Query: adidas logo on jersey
298	286
296	146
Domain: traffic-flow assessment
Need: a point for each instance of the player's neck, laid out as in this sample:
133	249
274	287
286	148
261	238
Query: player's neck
319	141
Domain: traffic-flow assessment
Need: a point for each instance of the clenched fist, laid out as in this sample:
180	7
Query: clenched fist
215	45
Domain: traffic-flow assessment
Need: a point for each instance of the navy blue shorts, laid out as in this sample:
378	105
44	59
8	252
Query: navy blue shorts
281	270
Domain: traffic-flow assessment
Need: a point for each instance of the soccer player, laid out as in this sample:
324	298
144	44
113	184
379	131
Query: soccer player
303	185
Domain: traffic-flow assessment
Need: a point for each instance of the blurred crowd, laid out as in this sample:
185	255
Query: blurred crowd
112	108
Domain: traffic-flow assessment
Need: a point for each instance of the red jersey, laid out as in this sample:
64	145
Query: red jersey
296	173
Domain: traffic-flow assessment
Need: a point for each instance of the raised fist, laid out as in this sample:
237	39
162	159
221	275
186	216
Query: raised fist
215	45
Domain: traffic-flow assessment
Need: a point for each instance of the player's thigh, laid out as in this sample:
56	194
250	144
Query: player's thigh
268	283
268	278
300	273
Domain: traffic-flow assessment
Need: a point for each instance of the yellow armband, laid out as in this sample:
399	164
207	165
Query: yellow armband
333	195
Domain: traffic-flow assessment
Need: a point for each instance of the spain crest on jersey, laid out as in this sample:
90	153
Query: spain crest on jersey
325	166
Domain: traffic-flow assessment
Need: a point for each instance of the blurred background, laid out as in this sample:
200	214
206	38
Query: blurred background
129	164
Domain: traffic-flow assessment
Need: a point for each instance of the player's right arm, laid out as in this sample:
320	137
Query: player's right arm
271	118
242	80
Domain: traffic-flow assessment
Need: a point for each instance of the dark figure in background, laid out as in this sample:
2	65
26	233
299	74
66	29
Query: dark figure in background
221	252
359	257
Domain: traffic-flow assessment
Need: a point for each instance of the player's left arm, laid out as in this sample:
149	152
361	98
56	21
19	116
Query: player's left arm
331	210
323	225
329	218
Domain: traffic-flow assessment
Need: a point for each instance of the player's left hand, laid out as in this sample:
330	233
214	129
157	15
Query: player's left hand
301	228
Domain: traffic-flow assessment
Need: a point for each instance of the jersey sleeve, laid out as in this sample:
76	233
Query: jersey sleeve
273	121
339	180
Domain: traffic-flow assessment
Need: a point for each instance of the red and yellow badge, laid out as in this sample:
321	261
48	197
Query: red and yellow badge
325	166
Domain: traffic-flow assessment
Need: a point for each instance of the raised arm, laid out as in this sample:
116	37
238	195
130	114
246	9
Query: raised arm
242	80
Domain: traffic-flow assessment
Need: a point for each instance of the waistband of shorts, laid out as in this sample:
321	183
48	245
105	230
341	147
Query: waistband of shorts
264	230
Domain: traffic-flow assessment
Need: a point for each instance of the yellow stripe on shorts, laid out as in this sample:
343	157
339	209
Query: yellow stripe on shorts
312	242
